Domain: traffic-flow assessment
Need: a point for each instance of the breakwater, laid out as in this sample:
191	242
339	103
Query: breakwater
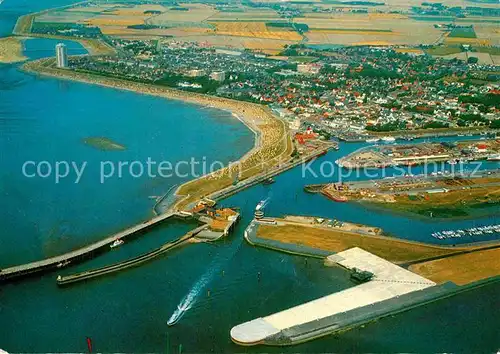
73	278
82	253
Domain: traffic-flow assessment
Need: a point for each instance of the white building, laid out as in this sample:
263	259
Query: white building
218	75
61	56
196	73
308	68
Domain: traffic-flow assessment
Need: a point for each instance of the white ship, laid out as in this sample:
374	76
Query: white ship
65	263
388	139
117	243
372	140
261	204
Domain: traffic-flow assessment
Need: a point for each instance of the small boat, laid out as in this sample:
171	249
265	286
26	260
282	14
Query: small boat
63	264
388	139
452	162
261	205
372	140
267	181
117	243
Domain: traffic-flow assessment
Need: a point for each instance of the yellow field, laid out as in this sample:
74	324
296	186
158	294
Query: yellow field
355	31
255	30
109	21
462	269
377	16
458	40
250	14
123	31
334	240
376	43
410	50
129	12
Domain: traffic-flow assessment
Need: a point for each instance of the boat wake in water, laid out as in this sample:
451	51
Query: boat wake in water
189	300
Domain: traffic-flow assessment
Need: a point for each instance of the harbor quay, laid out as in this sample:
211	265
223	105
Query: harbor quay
388	275
384	281
380	289
385	155
468	193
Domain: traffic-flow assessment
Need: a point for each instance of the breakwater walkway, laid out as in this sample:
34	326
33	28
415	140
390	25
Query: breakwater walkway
251	181
64	280
81	253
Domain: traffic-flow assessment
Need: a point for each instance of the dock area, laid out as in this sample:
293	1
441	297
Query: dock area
385	155
217	223
73	278
82	253
435	195
388	281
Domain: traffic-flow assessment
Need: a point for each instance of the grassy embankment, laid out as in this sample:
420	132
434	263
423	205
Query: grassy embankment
273	144
392	249
461	269
461	265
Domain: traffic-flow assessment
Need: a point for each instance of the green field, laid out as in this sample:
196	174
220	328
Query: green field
353	30
466	32
443	50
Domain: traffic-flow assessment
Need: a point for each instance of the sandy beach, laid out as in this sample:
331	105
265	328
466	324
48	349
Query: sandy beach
272	144
11	50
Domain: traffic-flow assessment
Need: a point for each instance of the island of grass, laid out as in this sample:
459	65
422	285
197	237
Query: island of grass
103	144
319	236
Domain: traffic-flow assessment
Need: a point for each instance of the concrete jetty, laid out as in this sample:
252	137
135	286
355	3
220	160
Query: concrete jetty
82	253
64	280
382	294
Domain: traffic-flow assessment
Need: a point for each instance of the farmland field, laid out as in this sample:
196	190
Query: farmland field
195	13
264	29
467	32
256	30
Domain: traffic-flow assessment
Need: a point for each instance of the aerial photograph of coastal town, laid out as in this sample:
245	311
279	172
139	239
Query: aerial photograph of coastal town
249	176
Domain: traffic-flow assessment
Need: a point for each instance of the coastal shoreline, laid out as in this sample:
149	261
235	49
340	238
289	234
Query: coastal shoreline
257	118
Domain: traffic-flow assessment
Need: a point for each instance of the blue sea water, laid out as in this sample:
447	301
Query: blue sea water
47	119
